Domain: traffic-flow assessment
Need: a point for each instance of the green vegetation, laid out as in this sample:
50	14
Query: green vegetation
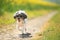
28	6
53	31
9	7
6	19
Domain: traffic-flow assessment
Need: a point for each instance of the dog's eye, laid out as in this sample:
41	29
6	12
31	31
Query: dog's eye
20	15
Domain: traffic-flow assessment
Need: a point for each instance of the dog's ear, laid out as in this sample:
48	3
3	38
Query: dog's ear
23	15
14	17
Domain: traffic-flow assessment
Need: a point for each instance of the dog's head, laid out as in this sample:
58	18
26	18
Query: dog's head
20	15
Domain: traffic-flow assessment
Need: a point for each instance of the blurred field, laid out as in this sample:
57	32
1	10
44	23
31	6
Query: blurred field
33	8
41	2
53	31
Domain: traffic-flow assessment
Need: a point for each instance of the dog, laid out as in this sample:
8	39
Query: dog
20	17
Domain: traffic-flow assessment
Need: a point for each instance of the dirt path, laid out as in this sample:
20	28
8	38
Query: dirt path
33	26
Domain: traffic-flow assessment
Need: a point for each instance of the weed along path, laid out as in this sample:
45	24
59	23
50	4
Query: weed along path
33	26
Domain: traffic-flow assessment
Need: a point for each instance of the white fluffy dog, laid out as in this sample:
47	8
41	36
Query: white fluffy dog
21	18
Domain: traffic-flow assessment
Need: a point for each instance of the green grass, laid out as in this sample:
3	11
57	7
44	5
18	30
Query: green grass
53	31
7	18
28	6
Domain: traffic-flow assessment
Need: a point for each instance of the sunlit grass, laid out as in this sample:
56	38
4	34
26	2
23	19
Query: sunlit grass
36	13
7	18
53	31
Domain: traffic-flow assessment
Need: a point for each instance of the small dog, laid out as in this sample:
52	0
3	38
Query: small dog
20	17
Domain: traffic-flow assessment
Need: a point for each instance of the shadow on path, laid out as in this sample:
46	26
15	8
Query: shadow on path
27	35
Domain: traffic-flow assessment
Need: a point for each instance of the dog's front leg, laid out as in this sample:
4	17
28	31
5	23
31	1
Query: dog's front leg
17	26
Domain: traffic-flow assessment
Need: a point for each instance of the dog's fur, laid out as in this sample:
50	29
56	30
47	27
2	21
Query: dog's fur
20	19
